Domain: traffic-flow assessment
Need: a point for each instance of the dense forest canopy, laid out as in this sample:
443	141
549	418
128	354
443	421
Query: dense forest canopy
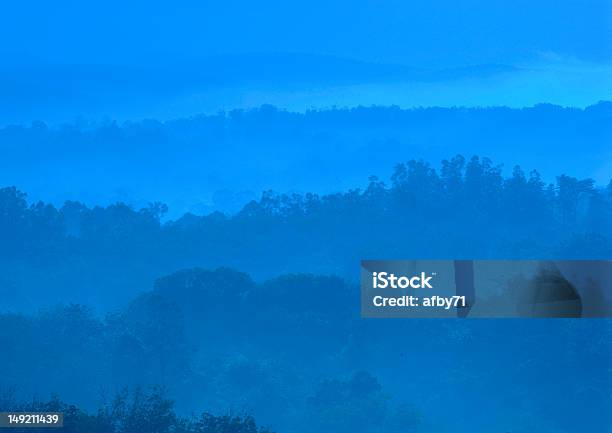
464	208
257	311
293	352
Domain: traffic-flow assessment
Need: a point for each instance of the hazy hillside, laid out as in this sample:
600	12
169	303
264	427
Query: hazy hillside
461	208
222	161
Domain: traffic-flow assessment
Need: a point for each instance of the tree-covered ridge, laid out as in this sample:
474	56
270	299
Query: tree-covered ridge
221	161
293	352
464	208
212	339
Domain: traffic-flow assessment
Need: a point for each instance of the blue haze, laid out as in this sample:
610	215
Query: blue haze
187	187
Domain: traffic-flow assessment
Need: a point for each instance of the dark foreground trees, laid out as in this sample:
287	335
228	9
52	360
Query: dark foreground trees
137	411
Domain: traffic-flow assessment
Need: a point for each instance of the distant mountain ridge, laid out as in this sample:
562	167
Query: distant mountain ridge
30	91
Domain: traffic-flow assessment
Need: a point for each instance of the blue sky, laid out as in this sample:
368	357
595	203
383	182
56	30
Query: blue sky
431	33
66	59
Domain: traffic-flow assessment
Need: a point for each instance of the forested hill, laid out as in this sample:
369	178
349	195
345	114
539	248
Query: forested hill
103	256
220	162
